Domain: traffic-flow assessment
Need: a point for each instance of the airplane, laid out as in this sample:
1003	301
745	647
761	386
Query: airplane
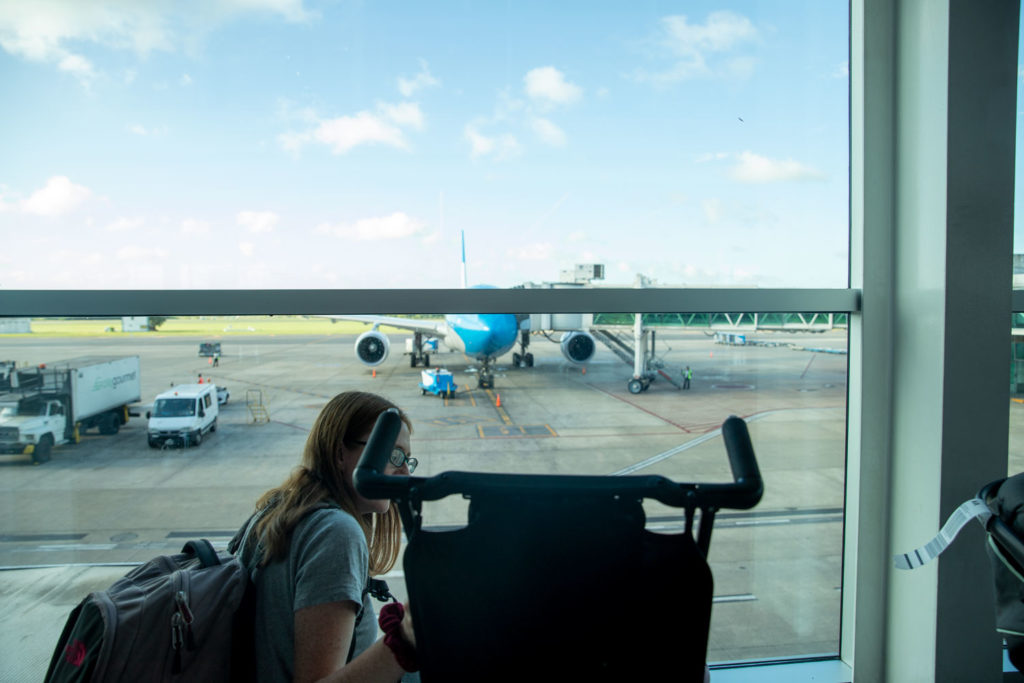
482	336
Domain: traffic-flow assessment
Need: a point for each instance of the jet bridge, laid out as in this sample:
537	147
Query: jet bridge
637	350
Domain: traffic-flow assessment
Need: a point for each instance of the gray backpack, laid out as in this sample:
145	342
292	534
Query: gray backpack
184	617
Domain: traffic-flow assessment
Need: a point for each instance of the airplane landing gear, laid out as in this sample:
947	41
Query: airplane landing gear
418	356
485	378
523	358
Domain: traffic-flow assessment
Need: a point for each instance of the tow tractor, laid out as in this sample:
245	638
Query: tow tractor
439	382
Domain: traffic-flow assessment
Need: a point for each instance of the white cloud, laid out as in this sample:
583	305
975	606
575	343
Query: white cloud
842	71
423	79
500	147
753	168
539	251
246	248
59	196
45	30
548	132
403	114
547	84
694	47
191	226
76	65
396	226
185	80
138	129
343	133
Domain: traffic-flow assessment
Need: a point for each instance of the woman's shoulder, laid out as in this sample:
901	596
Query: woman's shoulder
330	521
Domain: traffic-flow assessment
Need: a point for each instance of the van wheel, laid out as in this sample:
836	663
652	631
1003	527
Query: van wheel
213	427
42	450
197	438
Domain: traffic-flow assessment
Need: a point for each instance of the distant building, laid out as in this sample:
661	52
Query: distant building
135	323
15	325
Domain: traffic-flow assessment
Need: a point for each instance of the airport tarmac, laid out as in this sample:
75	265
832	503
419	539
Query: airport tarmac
112	500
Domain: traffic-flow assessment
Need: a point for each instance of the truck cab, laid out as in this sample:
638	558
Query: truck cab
32	425
183	415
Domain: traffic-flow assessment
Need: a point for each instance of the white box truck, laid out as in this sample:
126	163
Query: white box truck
55	403
182	415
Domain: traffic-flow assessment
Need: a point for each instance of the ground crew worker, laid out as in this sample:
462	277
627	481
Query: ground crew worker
687	376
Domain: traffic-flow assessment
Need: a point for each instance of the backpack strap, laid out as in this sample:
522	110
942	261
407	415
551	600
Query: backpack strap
202	549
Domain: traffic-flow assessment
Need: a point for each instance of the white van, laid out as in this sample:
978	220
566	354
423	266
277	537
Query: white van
183	415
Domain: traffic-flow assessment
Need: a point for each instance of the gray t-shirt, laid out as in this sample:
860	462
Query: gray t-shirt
327	562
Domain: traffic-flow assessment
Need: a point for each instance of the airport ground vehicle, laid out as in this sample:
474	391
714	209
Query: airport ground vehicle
182	415
209	349
438	382
53	404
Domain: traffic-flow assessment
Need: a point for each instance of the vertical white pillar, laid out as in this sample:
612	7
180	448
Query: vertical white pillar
932	254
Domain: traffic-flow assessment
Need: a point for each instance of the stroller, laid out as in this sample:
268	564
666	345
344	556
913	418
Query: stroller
554	577
1005	527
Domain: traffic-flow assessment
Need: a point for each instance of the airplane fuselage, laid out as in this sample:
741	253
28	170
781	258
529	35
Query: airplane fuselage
483	336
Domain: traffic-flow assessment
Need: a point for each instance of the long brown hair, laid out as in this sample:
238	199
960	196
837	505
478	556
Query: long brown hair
346	417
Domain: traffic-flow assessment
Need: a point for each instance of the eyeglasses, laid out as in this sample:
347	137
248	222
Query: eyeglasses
398	458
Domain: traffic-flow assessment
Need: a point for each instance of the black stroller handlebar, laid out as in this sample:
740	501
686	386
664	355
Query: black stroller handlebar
742	493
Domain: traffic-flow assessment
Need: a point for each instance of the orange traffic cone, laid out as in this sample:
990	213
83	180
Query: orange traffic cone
584	371
375	372
497	403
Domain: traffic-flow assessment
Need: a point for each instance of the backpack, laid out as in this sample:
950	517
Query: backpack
184	617
177	617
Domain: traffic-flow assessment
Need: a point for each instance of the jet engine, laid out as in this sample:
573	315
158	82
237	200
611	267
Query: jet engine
578	347
372	348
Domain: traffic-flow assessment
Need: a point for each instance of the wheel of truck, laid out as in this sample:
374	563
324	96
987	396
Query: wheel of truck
412	360
213	427
153	443
197	438
42	450
426	360
110	424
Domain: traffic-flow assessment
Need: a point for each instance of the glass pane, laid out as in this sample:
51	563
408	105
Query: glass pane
148	146
125	497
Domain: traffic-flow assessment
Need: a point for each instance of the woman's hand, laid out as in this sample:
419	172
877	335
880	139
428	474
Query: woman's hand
407	631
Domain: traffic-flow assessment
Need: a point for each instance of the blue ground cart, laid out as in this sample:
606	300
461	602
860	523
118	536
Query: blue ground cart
438	382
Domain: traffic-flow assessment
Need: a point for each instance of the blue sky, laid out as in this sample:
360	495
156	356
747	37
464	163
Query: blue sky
283	143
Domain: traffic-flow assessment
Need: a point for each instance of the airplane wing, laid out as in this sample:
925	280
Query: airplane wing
432	327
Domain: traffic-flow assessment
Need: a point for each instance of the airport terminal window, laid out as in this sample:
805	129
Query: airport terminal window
777	567
677	143
534	147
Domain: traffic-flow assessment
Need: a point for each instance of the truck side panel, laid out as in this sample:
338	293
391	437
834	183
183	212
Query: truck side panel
101	387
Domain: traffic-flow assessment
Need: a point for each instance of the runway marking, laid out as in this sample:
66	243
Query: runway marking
501	411
515	431
739	597
654	459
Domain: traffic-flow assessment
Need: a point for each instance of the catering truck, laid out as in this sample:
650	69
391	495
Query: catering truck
55	403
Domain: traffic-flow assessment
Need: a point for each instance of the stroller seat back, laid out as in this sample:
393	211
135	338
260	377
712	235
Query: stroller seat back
555	577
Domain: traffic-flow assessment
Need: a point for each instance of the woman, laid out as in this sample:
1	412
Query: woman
319	542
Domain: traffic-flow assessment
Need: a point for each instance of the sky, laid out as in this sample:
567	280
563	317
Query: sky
304	144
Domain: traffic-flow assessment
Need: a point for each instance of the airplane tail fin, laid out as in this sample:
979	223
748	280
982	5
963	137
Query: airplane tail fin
463	259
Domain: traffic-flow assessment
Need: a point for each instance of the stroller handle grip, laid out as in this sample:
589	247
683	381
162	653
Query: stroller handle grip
743	492
368	477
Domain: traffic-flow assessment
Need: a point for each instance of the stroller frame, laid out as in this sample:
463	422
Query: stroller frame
554	577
